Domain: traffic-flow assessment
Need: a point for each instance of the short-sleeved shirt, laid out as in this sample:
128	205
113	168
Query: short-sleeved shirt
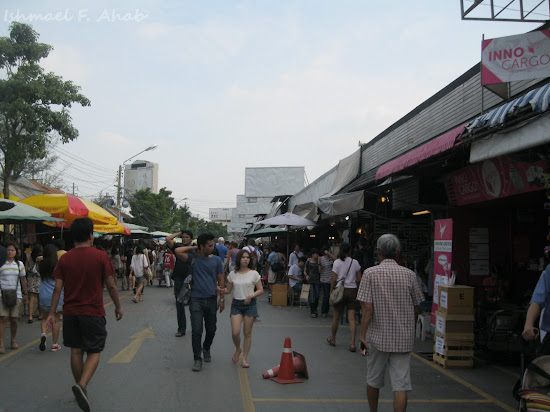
293	258
347	269
222	252
205	273
270	257
326	269
10	273
295	271
393	292
83	271
243	283
541	296
139	263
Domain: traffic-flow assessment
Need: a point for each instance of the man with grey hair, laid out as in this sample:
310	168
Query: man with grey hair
389	295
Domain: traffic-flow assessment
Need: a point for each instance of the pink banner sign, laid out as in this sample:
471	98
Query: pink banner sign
496	178
522	57
443	254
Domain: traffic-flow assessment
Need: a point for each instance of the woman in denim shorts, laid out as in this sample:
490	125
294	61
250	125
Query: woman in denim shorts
47	283
245	285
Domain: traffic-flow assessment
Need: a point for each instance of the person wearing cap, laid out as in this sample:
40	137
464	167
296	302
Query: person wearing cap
222	249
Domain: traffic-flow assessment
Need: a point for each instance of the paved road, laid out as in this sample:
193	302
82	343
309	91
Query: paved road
146	368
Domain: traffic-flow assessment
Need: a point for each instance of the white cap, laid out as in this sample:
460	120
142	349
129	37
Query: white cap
221	239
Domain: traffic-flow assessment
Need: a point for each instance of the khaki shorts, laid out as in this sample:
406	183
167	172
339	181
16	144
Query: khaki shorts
13	312
399	364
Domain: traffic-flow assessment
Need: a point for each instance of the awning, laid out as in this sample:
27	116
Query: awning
268	231
307	210
342	203
539	99
348	170
534	133
438	145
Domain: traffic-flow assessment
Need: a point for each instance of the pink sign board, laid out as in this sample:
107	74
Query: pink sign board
443	253
521	57
495	178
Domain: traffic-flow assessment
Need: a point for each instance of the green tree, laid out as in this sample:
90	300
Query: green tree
160	212
33	104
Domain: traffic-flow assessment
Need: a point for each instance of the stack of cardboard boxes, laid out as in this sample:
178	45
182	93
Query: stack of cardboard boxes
454	327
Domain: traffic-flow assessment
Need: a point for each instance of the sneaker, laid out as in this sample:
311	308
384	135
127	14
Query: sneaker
55	347
206	356
197	365
81	396
42	345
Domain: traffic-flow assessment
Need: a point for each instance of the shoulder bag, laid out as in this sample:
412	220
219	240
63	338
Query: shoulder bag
337	293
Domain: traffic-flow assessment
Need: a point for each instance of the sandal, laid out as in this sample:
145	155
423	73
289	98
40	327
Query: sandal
30	321
331	341
352	349
134	300
246	365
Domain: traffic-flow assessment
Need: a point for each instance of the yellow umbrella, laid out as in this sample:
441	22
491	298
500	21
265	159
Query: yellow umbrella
119	229
70	207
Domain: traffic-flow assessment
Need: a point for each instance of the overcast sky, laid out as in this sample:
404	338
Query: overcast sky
224	85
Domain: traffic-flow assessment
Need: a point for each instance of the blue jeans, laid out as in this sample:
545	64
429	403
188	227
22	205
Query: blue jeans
180	312
314	288
202	310
325	287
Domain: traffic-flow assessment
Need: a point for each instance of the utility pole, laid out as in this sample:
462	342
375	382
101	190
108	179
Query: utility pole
118	194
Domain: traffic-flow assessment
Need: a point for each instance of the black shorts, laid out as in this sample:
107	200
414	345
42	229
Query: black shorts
85	332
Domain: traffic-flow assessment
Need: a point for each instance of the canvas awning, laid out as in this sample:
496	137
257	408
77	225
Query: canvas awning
438	145
342	203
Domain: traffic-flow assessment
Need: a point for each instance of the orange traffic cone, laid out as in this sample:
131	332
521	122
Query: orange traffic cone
300	367
286	367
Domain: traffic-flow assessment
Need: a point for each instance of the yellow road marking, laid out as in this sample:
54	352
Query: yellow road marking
263	325
453	401
127	354
464	383
248	403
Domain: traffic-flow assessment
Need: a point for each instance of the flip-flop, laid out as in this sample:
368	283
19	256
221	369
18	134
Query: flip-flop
352	349
331	341
134	300
16	346
246	365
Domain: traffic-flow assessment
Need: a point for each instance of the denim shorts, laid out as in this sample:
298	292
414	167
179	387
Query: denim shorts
239	308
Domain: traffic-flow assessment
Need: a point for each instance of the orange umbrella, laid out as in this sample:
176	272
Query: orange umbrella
70	207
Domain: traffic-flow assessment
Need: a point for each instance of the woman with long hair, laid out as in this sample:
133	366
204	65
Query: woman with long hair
33	279
47	284
241	284
346	271
12	278
138	268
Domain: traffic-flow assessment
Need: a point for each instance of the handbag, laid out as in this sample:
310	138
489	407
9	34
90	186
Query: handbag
304	295
337	293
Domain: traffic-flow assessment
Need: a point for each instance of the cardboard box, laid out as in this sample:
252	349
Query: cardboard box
279	295
456	299
454	327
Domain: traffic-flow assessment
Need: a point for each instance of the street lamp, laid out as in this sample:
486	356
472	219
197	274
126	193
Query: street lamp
119	186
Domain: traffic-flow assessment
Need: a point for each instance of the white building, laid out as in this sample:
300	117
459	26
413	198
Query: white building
220	214
140	175
262	184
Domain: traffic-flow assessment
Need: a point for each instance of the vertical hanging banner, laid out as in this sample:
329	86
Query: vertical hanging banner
443	253
521	57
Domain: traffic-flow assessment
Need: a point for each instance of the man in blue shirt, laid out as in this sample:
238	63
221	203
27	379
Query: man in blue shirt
207	273
222	250
539	301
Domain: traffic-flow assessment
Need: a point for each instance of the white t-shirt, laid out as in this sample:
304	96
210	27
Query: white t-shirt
139	262
9	276
243	283
341	269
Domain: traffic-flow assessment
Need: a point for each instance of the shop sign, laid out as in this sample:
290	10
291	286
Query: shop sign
443	253
511	58
494	179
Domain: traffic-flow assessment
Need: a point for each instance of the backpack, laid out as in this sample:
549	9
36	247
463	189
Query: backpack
276	265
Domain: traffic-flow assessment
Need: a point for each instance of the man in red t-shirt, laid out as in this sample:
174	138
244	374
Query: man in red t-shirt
82	271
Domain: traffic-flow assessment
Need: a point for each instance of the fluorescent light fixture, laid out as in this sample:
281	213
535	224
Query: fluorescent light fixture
422	212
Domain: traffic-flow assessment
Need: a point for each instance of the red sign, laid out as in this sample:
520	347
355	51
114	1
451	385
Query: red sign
495	178
443	254
521	57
